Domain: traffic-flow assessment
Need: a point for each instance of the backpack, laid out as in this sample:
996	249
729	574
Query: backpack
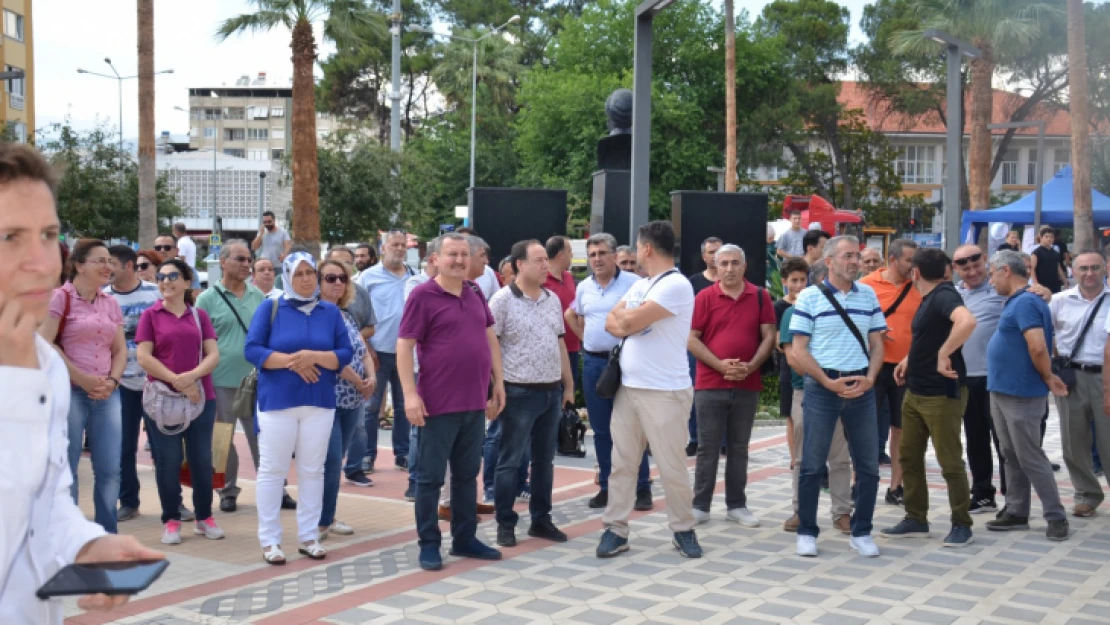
572	434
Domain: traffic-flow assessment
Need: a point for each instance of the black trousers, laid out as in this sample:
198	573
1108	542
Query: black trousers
980	434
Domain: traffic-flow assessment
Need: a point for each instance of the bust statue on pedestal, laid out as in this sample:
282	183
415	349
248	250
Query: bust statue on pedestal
615	150
610	202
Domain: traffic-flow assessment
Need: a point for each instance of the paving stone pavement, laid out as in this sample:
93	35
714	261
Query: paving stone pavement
748	576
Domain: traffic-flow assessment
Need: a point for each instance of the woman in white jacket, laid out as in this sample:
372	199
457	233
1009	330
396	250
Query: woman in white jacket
41	529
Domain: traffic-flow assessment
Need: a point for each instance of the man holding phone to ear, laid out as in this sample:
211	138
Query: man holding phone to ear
41	529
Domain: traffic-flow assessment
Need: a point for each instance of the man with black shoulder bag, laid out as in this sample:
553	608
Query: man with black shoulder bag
1079	319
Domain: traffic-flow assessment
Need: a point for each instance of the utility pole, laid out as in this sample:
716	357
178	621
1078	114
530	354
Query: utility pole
395	90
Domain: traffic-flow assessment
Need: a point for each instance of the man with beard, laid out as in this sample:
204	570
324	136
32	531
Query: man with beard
365	258
272	243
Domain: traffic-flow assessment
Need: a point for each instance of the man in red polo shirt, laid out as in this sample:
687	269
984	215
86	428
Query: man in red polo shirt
561	282
732	333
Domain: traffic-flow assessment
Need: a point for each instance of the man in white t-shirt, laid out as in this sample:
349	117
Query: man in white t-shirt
654	399
187	249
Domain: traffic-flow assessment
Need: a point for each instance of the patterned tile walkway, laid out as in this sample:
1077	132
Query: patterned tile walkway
748	576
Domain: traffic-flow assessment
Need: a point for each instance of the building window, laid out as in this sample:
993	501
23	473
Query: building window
234	134
238	153
13	25
257	155
1010	167
211	114
1031	168
210	133
236	112
258	134
258	112
1062	157
15	85
916	164
277	111
277	154
277	133
196	113
19	131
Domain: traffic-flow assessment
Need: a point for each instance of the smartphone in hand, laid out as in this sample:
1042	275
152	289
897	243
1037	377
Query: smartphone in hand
108	578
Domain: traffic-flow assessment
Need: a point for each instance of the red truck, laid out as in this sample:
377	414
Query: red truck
816	209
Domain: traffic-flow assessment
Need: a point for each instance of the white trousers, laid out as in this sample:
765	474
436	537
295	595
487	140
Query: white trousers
304	430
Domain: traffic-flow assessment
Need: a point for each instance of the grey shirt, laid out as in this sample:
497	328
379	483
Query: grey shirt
361	308
791	242
273	246
986	306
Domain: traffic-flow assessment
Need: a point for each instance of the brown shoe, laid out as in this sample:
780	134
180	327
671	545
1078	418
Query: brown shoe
791	524
445	513
843	523
1083	510
485	508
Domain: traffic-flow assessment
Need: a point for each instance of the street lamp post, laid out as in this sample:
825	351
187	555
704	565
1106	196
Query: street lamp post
119	79
1040	126
473	80
641	113
954	148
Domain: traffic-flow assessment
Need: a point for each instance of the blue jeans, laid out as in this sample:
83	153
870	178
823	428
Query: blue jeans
454	438
101	420
387	375
821	410
342	430
692	424
356	449
601	415
530	415
197	439
491	456
131	417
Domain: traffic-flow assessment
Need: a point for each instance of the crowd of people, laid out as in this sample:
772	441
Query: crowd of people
876	357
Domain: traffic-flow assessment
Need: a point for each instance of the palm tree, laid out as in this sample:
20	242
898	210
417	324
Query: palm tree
730	97
340	19
1080	133
148	179
499	71
1000	29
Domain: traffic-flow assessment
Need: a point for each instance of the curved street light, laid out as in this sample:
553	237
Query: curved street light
119	79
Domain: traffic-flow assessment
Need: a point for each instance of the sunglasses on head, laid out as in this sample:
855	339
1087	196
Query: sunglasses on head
332	278
163	248
974	258
142	266
172	276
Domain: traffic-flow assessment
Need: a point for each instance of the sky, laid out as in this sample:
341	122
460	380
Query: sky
72	34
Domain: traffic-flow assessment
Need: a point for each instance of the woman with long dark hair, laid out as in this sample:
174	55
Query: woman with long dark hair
87	327
177	346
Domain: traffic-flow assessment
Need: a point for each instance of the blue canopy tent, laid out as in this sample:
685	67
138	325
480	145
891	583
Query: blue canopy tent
1057	208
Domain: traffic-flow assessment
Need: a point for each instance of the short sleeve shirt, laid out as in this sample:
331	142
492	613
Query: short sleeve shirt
177	341
791	242
1010	369
565	291
451	343
831	343
132	304
700	282
896	341
346	395
731	328
931	326
231	330
188	250
655	357
593	303
273	245
797	382
529	332
90	329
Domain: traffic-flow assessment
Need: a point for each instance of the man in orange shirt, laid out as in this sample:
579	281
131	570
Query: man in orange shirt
899	301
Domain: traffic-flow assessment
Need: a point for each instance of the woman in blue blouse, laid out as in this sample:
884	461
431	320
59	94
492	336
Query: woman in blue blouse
299	356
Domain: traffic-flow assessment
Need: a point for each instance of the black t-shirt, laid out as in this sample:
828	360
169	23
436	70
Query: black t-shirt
931	326
1048	268
700	282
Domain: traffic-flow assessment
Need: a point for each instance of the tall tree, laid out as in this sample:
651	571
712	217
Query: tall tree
999	29
730	97
341	20
1080	128
148	197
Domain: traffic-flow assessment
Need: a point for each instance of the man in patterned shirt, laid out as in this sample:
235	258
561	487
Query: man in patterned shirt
528	322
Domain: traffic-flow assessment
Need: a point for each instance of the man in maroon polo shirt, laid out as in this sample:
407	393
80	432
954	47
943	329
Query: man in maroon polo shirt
444	318
732	333
561	282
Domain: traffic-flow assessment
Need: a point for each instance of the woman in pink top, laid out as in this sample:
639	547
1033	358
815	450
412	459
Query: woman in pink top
90	339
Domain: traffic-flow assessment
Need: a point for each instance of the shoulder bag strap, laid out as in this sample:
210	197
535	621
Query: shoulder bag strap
228	302
196	318
1086	327
901	297
62	321
847	320
665	274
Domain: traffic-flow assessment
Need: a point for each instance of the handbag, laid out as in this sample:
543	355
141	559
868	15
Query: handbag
171	411
1061	365
609	382
246	396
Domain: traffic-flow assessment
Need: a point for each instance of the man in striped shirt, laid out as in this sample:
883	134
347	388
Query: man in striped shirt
840	362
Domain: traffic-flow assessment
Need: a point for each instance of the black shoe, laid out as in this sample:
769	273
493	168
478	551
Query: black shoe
1055	468
907	528
1057	530
983	506
545	530
410	494
884	460
358	478
895	497
401	463
227	504
959	537
287	502
599	501
506	535
1002	511
643	500
691	450
1008	522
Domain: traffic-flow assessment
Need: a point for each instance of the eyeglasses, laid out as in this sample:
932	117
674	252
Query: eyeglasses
598	254
1089	269
332	278
98	261
172	276
962	262
142	266
163	248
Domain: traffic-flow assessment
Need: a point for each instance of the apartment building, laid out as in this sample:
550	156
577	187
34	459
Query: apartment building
17	53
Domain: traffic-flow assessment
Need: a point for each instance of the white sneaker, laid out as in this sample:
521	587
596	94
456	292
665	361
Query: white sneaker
700	516
807	546
171	534
339	528
208	529
742	516
865	546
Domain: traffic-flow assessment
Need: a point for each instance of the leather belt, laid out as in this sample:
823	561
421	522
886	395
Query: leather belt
536	386
836	375
1085	368
597	354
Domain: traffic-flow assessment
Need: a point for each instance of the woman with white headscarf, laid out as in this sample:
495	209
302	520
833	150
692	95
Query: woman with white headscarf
298	355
